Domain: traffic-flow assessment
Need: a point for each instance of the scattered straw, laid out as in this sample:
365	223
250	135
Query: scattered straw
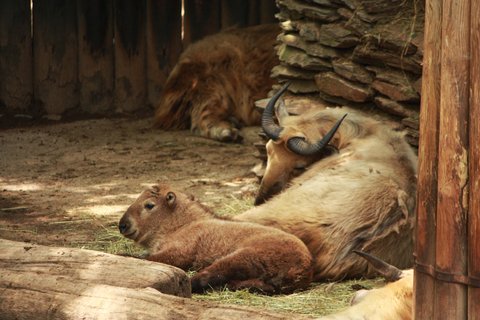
320	299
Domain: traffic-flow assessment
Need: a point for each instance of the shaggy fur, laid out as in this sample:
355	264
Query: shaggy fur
213	87
181	232
392	302
360	197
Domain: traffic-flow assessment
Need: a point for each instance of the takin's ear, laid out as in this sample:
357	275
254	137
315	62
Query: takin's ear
281	112
191	197
171	198
185	75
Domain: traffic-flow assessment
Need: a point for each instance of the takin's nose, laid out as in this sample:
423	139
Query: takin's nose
124	225
266	193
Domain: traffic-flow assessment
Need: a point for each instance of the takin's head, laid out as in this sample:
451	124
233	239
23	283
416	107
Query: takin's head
158	211
295	143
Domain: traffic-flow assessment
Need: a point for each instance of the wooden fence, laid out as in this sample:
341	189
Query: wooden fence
447	271
103	56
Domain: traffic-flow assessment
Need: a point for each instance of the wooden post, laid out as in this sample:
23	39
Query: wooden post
95	46
16	89
55	56
427	162
446	285
474	163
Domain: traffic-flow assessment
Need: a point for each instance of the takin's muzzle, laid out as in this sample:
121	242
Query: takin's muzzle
124	226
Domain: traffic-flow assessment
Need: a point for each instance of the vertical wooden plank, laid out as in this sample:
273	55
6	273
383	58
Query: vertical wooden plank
452	204
202	17
268	9
95	46
234	13
253	14
55	50
261	12
130	73
474	163
164	43
16	89
427	162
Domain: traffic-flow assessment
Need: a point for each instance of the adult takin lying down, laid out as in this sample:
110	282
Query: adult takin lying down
357	189
180	231
213	86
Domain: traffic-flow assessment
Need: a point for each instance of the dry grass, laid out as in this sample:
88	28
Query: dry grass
320	299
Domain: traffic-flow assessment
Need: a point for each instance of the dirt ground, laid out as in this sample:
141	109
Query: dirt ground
63	183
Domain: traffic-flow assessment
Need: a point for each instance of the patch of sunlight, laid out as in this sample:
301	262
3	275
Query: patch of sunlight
110	302
105	186
97	301
148	184
120	197
21	187
76	189
99	210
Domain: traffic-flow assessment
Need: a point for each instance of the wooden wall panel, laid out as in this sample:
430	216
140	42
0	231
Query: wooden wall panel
55	51
261	12
267	10
235	13
164	44
95	46
202	17
16	89
243	13
130	55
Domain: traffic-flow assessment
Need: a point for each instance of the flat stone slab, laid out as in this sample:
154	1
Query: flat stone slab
334	85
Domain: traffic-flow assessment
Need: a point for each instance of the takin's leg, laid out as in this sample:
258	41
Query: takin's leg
235	276
239	270
212	124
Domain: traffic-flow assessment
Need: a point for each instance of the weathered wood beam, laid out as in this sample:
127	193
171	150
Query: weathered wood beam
39	282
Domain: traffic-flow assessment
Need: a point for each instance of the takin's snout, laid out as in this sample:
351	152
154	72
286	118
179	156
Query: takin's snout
126	228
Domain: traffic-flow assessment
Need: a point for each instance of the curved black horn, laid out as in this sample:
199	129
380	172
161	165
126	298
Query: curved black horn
271	129
389	272
302	147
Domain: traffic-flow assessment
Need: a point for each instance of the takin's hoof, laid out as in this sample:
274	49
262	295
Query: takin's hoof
203	281
226	134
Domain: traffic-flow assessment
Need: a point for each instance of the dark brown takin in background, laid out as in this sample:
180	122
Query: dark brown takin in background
180	231
213	86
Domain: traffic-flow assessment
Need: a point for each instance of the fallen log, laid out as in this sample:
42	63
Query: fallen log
32	263
62	299
38	282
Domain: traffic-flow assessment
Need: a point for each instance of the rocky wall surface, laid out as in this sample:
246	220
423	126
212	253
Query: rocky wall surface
357	53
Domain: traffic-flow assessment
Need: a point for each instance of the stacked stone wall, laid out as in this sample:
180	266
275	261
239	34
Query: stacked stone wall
359	53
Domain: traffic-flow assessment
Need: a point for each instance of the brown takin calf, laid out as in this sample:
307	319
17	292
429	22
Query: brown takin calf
216	80
180	231
392	302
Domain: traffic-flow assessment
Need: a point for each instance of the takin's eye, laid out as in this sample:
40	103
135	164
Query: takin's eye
170	197
149	206
298	169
